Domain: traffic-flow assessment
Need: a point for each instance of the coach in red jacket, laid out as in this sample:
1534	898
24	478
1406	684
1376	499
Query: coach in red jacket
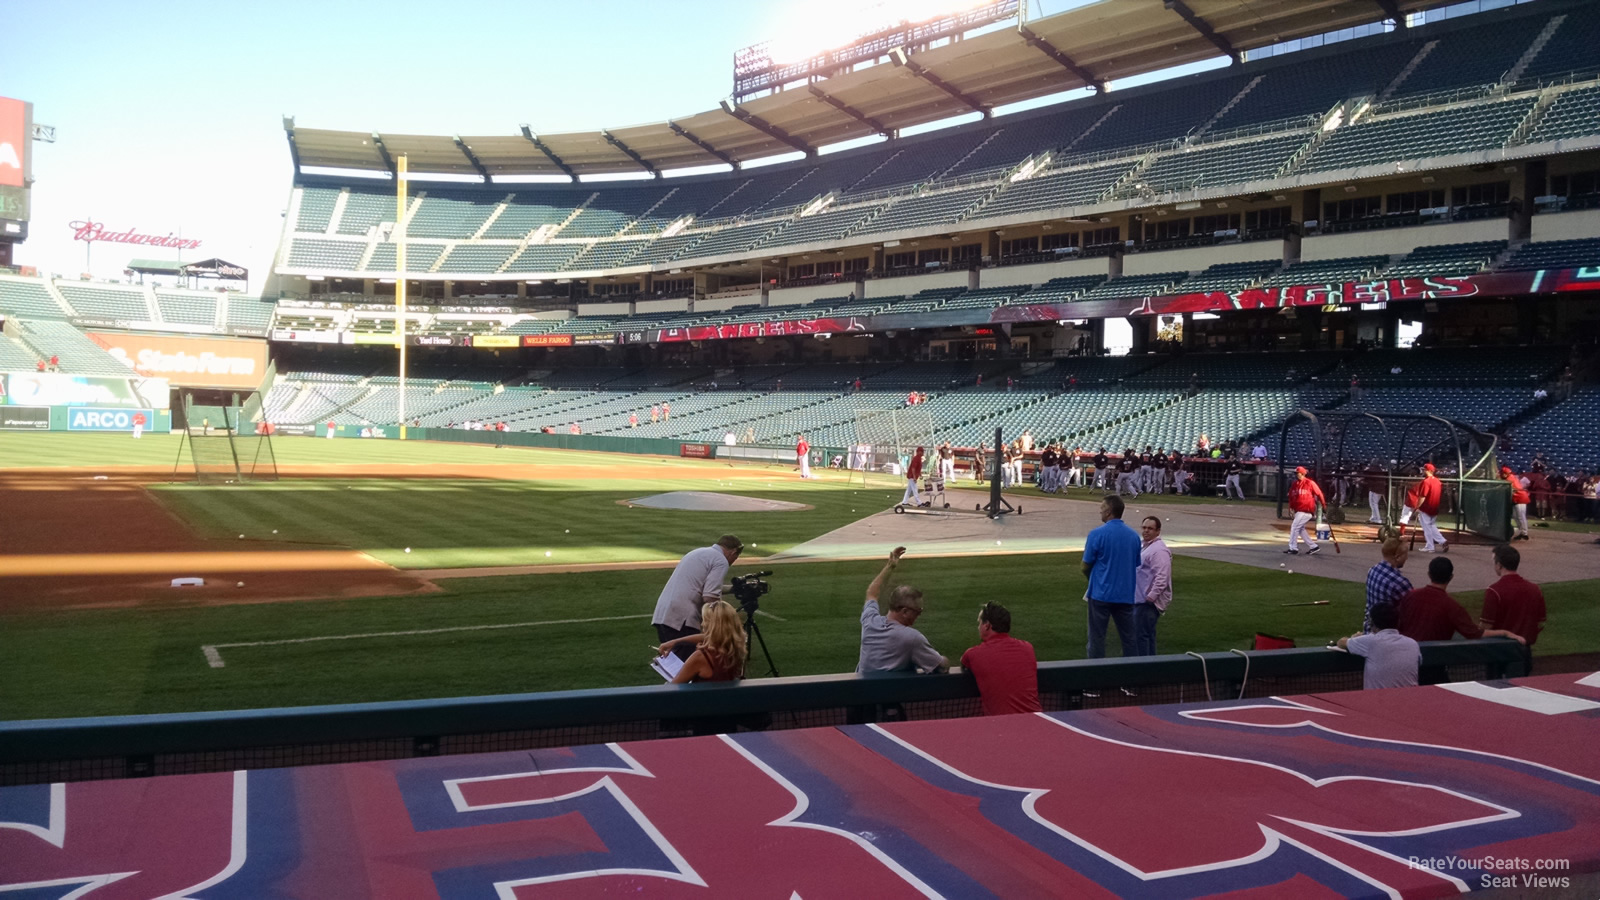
1519	501
1304	495
913	473
1424	497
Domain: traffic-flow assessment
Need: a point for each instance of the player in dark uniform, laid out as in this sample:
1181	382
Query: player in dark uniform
1230	485
1180	473
1049	474
1128	472
1102	466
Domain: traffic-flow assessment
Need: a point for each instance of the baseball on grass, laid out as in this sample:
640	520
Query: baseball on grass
241	537
408	549
547	553
240	584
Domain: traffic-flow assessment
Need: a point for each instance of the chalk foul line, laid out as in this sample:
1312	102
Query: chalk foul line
213	652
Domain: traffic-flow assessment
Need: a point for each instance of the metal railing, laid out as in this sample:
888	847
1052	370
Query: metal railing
1433	98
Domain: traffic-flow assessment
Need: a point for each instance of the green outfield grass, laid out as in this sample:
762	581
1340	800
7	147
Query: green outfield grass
104	662
147	661
61	449
472	522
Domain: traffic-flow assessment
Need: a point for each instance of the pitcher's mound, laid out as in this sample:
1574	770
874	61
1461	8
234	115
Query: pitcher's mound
710	501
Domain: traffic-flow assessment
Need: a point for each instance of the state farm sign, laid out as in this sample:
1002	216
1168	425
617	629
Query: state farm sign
90	230
189	362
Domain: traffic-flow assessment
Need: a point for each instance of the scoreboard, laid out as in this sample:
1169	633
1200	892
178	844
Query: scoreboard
16	175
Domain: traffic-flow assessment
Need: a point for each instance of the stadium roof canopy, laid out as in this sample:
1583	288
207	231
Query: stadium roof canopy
1083	47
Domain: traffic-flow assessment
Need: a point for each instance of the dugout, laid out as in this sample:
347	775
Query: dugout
1476	500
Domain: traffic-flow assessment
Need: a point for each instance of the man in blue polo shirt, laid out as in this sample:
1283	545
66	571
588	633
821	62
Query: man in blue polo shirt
1110	562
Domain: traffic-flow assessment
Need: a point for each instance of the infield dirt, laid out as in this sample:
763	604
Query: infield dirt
95	538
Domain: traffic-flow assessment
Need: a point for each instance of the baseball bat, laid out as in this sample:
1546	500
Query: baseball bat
1311	603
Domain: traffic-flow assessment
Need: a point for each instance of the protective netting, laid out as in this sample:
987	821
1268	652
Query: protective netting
1354	454
217	450
884	439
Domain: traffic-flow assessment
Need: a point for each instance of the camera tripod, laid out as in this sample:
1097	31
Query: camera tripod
752	634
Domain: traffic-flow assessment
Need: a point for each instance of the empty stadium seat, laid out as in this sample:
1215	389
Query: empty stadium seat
106	301
1446	259
1574	113
1410	135
1328	271
29	297
1554	255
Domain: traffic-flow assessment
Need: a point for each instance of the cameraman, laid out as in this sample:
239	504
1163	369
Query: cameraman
696	581
890	643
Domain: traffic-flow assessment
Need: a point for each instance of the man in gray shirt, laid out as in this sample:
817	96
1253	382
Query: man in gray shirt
889	643
1392	658
696	581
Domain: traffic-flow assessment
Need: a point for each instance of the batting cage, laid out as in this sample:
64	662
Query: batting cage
1371	459
884	439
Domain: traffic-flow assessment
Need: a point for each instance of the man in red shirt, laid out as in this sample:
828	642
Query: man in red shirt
1424	497
1431	614
1519	503
1006	668
913	475
802	452
1304	495
1513	603
138	426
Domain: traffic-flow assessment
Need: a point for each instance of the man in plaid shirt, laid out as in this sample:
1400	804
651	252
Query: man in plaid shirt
1385	584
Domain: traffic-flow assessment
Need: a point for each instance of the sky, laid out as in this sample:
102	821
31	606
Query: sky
169	116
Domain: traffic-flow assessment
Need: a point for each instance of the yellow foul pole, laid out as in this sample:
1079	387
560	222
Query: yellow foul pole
400	283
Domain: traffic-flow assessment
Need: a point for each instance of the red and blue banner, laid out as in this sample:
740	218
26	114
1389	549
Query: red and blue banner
1420	792
1383	290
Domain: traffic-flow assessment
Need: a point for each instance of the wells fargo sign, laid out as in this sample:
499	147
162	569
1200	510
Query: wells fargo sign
189	362
90	230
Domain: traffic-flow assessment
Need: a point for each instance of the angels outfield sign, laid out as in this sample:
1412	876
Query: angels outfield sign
1390	290
90	230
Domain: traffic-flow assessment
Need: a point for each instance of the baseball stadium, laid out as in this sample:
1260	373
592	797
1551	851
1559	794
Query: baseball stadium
380	565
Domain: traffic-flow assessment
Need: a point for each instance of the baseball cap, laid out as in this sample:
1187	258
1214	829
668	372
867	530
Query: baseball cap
1428	467
1300	470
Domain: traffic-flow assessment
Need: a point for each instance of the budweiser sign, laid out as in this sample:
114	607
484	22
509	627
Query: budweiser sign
94	231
